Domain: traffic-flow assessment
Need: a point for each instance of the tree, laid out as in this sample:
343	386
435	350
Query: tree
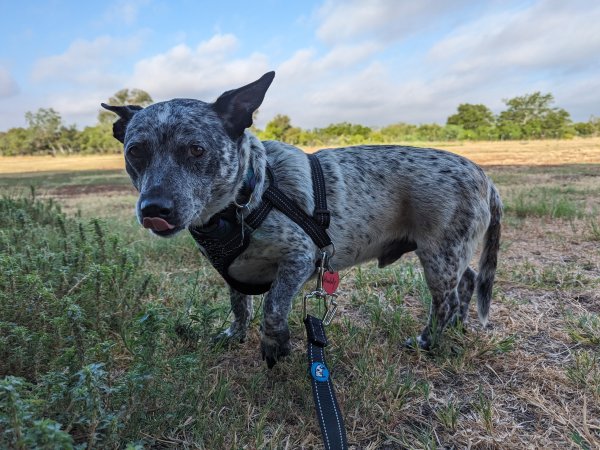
98	139
277	128
531	116
472	117
430	132
45	126
124	97
399	132
16	141
589	128
344	133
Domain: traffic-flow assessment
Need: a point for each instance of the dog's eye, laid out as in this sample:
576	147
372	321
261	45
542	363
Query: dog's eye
196	150
134	151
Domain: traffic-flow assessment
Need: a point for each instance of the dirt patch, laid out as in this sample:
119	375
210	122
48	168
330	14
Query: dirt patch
77	190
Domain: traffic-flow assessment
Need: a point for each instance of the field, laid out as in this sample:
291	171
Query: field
108	329
536	153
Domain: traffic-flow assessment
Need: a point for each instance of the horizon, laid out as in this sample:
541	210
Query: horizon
373	63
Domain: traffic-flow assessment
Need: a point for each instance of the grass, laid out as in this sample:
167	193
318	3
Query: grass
543	203
105	335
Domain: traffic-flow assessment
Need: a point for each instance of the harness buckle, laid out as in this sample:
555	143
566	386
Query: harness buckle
323	216
330	305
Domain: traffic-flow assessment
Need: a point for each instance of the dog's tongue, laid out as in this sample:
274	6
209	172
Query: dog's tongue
157	224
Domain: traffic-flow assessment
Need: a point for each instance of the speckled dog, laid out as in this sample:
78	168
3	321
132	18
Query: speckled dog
189	159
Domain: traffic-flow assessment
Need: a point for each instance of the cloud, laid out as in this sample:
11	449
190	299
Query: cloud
125	11
305	65
86	62
343	20
550	34
8	85
198	72
495	55
374	62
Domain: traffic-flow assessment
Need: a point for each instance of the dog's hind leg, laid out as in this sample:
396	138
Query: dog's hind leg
465	293
241	306
275	339
442	271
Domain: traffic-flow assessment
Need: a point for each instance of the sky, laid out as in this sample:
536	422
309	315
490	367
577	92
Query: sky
373	62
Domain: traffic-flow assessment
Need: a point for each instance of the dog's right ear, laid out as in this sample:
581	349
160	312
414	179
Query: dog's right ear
125	114
235	107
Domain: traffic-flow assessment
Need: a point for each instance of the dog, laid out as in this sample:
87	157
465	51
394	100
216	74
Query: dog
189	161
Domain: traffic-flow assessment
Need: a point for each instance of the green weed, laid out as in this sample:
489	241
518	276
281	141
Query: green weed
585	371
448	415
594	229
483	406
550	275
544	202
584	329
79	322
20	422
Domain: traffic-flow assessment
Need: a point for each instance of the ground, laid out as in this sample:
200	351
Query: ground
531	379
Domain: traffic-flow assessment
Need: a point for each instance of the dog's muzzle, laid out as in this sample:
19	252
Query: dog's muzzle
157	212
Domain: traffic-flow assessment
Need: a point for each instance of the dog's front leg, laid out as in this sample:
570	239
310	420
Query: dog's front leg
275	338
241	305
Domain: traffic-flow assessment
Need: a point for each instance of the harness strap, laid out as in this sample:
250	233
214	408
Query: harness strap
321	213
316	226
328	411
224	240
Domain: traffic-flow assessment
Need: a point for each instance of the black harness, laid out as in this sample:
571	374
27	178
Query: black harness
225	237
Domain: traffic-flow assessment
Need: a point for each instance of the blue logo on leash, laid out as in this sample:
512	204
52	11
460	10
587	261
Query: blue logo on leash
319	371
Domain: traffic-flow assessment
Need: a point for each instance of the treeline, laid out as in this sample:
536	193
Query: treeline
46	134
531	116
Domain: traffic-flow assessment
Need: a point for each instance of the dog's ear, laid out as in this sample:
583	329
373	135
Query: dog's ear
125	114
235	107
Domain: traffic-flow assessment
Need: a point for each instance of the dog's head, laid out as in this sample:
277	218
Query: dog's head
184	156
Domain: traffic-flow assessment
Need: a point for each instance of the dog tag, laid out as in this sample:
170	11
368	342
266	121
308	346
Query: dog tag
331	281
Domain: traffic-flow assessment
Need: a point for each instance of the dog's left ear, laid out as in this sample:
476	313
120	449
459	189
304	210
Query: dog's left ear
125	114
235	107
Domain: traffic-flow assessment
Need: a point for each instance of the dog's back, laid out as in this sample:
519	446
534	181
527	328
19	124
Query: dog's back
383	196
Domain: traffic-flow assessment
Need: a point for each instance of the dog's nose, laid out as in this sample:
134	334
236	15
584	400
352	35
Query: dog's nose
156	206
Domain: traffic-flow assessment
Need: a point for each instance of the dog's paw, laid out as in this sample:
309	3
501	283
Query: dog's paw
419	342
274	346
230	335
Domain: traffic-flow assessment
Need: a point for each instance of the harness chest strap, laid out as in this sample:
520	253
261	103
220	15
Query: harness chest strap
225	240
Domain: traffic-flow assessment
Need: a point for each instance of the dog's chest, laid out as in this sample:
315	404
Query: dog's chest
277	240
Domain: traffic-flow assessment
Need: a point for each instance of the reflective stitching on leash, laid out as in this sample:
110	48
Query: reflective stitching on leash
337	418
321	417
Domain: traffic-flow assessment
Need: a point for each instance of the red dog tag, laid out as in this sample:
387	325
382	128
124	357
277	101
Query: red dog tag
331	281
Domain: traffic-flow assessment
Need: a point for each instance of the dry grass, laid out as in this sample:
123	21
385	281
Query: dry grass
32	164
531	380
530	153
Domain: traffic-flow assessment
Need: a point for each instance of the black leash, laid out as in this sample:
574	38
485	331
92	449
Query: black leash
328	411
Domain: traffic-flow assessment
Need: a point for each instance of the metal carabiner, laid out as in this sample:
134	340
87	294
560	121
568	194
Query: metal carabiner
329	313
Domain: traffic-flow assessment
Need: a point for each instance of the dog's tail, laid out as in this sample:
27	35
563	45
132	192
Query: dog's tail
489	257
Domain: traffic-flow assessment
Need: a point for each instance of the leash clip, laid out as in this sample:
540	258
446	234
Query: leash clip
329	299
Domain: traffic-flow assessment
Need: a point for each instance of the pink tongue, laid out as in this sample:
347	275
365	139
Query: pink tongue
157	224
